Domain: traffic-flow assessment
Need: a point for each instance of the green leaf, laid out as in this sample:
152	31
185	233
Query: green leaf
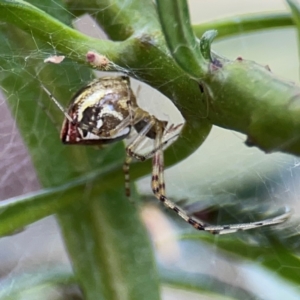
33	285
295	8
37	205
205	44
180	37
276	251
52	200
200	283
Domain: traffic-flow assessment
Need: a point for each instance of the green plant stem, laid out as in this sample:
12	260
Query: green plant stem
37	205
243	24
43	26
241	95
295	9
254	101
225	27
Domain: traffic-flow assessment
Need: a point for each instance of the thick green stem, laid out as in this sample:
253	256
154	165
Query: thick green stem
249	98
41	25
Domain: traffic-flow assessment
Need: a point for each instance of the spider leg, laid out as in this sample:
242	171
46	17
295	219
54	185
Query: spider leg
225	229
126	165
172	128
139	157
158	185
158	188
49	115
162	144
130	149
160	155
58	104
130	153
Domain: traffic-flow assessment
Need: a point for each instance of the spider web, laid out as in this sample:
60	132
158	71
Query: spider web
222	172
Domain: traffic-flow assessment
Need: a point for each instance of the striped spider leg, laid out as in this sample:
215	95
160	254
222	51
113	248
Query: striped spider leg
106	111
158	188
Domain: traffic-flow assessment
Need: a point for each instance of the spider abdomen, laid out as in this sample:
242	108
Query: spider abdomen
96	111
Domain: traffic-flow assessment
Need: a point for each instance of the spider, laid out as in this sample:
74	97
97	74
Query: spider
106	111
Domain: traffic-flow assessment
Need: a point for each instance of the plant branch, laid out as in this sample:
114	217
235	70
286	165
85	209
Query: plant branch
295	9
249	98
42	26
52	200
243	24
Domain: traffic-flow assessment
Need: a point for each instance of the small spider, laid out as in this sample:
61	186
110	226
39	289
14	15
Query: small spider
105	111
